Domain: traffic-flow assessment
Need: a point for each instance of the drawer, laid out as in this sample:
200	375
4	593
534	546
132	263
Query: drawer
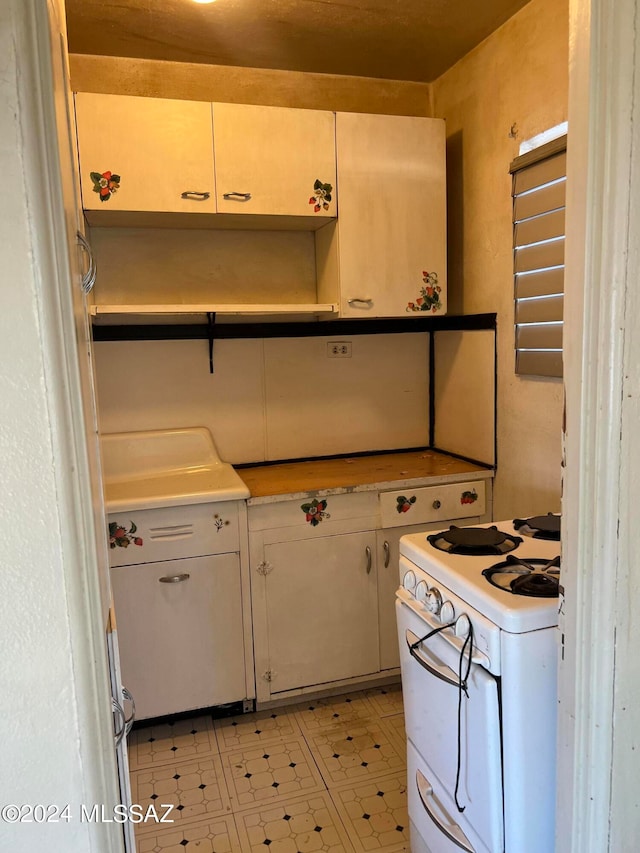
146	536
432	503
315	512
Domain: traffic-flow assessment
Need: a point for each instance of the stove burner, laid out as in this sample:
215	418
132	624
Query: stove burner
540	526
533	577
474	541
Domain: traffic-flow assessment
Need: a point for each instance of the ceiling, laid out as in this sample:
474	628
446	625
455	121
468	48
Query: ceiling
394	39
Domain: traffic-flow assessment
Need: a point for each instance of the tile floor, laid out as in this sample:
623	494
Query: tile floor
322	775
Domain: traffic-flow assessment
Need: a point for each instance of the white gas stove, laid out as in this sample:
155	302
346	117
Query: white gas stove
478	648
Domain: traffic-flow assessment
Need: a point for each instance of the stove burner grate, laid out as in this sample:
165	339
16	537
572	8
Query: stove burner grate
534	577
540	526
474	541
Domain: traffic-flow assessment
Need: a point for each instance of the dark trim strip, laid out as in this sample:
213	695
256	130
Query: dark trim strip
327	328
462	458
432	389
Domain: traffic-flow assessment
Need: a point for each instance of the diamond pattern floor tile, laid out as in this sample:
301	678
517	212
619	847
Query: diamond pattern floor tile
320	714
255	729
386	700
195	789
374	813
171	742
251	783
215	835
301	825
270	772
355	751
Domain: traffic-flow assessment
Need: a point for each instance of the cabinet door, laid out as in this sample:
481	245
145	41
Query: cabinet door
392	224
181	643
268	160
388	550
156	148
321	610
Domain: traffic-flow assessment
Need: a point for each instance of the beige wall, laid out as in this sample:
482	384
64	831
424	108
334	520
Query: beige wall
197	82
517	78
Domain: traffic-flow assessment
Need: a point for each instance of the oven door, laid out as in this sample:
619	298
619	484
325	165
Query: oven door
431	695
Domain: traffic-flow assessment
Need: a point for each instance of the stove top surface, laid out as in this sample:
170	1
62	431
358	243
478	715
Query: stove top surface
463	575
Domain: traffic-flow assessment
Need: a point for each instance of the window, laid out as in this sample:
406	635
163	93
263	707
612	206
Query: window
539	179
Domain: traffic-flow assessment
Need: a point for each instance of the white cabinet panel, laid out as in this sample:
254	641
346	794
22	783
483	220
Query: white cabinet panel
392	218
321	604
181	643
158	149
171	533
268	160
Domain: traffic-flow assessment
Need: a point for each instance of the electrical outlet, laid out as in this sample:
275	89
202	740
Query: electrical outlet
339	349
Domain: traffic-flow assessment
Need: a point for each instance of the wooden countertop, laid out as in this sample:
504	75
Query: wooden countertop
292	477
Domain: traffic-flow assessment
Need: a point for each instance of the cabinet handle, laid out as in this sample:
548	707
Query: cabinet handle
387	554
89	278
194	195
367	551
237	196
362	301
174	578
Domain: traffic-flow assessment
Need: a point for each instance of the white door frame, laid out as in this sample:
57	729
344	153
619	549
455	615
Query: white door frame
599	713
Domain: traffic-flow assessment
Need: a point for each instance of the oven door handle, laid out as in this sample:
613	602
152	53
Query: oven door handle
451	830
441	671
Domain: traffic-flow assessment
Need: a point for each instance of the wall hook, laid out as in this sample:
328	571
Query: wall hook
513	131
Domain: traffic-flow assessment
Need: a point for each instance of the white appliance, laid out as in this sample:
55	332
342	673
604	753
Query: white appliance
479	664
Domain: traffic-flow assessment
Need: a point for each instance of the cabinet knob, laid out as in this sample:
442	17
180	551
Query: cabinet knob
436	504
194	195
236	196
367	551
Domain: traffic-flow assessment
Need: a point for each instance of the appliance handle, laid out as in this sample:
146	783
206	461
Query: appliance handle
441	671
451	829
129	721
121	724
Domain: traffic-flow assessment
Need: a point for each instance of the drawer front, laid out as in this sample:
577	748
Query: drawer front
314	513
432	503
146	536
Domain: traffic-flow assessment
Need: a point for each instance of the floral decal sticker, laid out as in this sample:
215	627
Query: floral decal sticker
321	196
120	537
105	183
469	497
219	523
429	299
405	504
315	512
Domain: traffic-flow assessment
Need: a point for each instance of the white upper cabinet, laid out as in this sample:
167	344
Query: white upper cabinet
154	155
274	160
391	235
145	154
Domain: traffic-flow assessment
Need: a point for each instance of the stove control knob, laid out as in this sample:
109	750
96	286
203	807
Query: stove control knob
434	601
409	581
462	626
422	592
447	612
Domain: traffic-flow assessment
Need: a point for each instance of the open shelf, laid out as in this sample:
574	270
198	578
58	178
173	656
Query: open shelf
110	314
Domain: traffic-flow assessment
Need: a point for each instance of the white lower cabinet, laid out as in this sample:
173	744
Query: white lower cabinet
321	609
180	631
324	574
